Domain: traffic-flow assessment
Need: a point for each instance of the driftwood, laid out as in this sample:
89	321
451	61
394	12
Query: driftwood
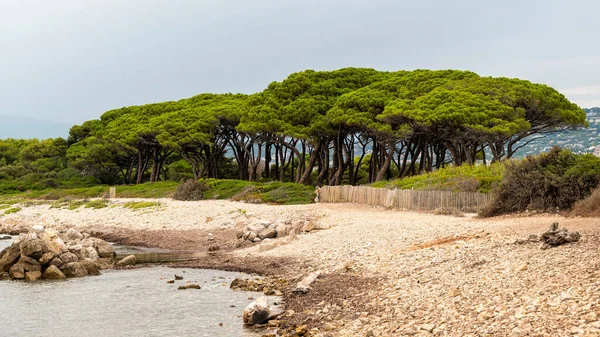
304	286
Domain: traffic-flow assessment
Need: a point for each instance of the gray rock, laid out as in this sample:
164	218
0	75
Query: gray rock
267	233
5	237
256	239
53	273
56	262
283	230
74	269
257	312
39	229
127	261
104	249
556	236
255	228
252	236
33	248
189	286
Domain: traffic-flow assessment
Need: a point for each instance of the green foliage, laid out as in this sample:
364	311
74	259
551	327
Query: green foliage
478	178
548	182
96	204
269	192
135	205
12	210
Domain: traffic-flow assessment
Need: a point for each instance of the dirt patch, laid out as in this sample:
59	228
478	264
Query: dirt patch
333	297
447	239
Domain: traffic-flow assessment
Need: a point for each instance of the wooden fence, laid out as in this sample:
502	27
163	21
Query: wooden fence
406	199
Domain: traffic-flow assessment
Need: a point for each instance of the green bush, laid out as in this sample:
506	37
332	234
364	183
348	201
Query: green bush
550	181
465	178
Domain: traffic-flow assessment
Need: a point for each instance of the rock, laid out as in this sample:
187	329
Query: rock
239	234
308	226
104	249
255	228
252	236
556	236
33	275
53	273
74	269
32	248
257	312
92	267
5	237
87	243
10	256
53	246
522	267
61	245
16	272
4	276
264	223
320	226
302	330
47	258
104	263
177	277
38	229
56	262
91	253
213	248
29	264
73	235
267	233
78	250
127	261
171	281
189	286
274	323
68	257
282	230
303	286
257	239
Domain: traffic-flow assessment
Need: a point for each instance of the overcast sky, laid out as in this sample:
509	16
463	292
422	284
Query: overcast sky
71	60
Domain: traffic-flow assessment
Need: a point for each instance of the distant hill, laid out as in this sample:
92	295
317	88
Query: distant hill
22	127
579	141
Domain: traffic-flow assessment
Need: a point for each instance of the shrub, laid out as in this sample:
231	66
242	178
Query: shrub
134	205
589	206
190	190
550	181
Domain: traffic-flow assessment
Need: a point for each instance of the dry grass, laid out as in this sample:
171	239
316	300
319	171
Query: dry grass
588	207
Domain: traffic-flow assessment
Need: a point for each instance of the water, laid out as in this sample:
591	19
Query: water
126	303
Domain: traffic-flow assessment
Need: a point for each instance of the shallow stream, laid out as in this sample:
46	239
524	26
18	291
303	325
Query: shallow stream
136	302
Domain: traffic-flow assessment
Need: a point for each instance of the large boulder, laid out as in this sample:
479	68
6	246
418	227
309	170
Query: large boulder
78	251
104	249
257	312
53	273
33	275
68	257
127	261
16	272
56	261
29	264
33	248
91	253
267	233
73	235
74	269
9	257
92	267
47	258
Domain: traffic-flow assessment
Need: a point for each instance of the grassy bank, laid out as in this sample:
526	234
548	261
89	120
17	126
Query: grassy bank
464	178
257	192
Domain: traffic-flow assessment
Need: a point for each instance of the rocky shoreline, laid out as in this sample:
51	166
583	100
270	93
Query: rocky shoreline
385	272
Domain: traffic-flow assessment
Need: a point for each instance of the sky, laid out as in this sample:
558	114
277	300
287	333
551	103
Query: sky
71	60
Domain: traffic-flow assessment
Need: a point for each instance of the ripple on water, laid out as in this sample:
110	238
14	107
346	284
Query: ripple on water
126	303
